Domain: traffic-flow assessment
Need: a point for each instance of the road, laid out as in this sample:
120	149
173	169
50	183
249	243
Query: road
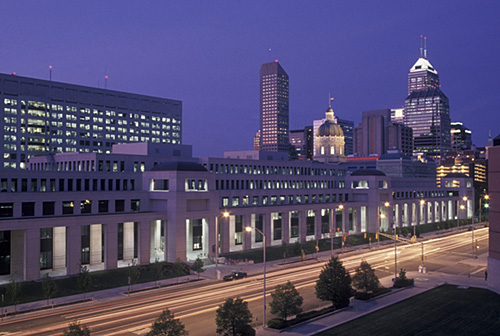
195	303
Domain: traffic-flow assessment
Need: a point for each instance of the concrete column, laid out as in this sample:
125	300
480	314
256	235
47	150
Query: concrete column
59	247
317	224
430	212
285	226
95	244
128	241
358	220
32	254
267	228
111	245
225	234
73	249
302	225
155	241
17	254
345	220
144	231
410	214
247	236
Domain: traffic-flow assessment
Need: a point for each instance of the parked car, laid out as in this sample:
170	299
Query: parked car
234	276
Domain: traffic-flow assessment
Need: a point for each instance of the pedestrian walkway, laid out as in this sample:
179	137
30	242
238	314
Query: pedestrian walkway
358	308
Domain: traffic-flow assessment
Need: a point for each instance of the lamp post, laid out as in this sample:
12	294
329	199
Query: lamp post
249	229
422	204
486	197
341	207
217	272
387	206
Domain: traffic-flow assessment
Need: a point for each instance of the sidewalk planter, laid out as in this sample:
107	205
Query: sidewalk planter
400	283
371	295
278	323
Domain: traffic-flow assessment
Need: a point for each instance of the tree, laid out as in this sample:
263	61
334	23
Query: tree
76	329
133	273
334	284
158	270
233	318
167	325
286	301
198	267
84	280
365	278
178	268
49	287
13	291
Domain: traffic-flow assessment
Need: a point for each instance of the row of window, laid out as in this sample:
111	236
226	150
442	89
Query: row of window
272	170
28	209
51	185
282	200
276	185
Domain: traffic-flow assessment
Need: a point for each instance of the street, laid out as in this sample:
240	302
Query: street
195	303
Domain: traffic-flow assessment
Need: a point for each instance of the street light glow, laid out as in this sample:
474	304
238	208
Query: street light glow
387	204
464	198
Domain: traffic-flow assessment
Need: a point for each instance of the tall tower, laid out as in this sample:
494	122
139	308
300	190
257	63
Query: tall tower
274	127
427	109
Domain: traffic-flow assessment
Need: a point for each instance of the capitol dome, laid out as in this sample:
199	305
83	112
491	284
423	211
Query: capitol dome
330	128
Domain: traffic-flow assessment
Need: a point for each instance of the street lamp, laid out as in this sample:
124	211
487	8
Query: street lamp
217	272
341	207
387	205
249	229
486	197
422	204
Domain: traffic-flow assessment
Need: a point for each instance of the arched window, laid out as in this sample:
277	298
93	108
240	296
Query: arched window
332	150
322	150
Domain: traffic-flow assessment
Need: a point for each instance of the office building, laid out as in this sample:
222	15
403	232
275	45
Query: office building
397	115
274	122
41	117
302	142
427	110
377	134
461	136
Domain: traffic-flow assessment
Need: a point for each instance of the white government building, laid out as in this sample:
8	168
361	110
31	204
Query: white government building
148	202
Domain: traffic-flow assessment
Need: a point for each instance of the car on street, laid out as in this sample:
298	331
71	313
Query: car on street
234	276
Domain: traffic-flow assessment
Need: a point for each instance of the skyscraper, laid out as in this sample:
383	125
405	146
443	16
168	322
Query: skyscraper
274	127
427	110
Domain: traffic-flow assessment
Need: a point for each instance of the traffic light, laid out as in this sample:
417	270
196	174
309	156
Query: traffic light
365	235
376	235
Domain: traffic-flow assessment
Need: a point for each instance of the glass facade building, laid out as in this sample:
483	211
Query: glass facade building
427	111
274	125
42	117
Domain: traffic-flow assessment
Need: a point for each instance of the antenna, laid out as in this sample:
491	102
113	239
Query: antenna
50	72
421	47
106	81
425	47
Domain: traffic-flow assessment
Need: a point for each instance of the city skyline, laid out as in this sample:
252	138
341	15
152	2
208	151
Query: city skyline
192	51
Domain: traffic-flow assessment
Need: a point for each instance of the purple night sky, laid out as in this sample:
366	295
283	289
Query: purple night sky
208	54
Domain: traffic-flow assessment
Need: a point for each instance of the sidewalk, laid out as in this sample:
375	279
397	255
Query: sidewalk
358	308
